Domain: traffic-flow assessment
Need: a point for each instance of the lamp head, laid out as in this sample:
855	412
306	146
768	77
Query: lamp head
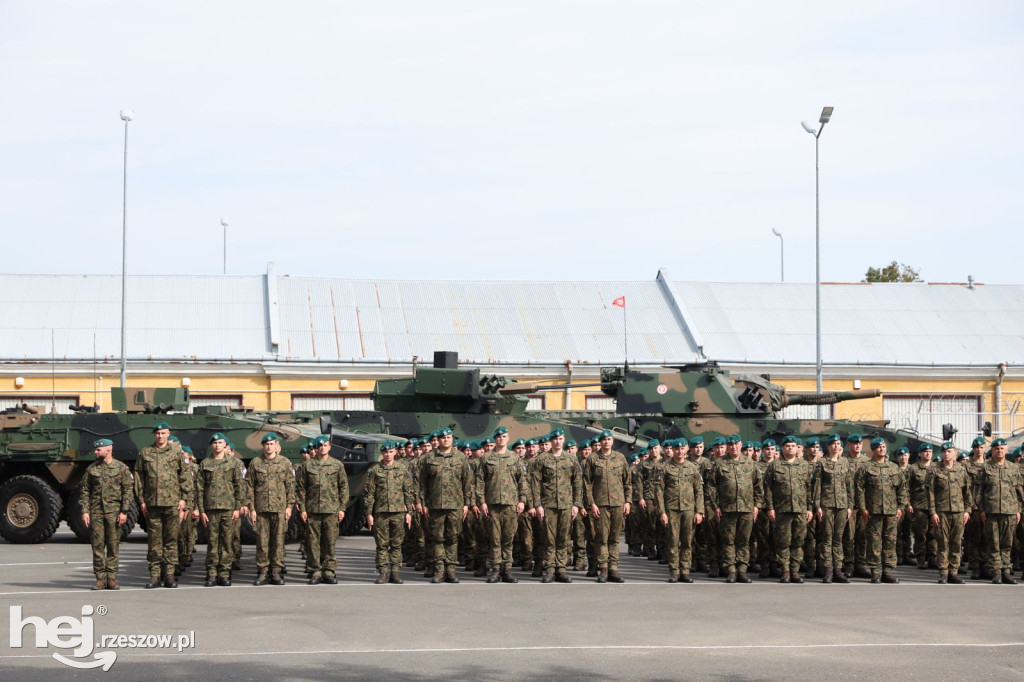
826	114
808	127
127	115
776	233
224	222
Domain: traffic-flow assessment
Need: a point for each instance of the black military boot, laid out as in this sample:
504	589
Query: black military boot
314	579
713	571
449	575
592	571
741	577
775	571
827	578
997	579
602	575
538	570
976	573
861	572
562	577
494	576
731	578
1008	578
942	579
922	564
785	577
437	577
875	578
169	580
224	582
889	578
527	564
549	576
211	581
652	554
507	577
276	579
421	565
262	578
685	578
101	583
236	565
154	581
112	583
819	569
673	577
382	577
954	579
480	571
396	578
614	577
795	578
840	577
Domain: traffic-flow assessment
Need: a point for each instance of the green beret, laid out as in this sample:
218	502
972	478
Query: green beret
500	430
443	432
854	438
790	439
487	440
218	436
185	448
173	439
756	444
978	441
961	456
634	457
696	440
317	442
160	426
643	451
387	445
734	438
586	443
230	444
519	442
833	438
273	436
748	445
653	442
920	448
877	442
998	441
546	438
948	445
532	441
937	457
570	444
605	434
102	443
557	432
768	443
304	449
812	441
718	441
902	451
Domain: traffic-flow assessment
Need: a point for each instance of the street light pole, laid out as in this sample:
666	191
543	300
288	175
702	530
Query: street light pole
224	224
826	115
126	116
782	256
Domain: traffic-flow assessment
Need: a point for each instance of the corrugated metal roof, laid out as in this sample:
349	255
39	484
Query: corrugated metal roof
887	324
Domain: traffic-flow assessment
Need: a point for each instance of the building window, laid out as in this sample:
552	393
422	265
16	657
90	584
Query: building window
805	412
328	402
537	402
927	414
229	401
43	402
600	403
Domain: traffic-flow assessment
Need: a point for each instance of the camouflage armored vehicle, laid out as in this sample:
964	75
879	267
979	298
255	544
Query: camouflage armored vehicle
44	456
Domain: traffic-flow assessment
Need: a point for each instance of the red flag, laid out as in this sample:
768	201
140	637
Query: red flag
620	302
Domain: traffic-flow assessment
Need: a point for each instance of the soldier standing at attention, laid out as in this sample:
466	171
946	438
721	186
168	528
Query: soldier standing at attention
949	499
502	491
322	494
236	536
999	496
881	499
189	525
388	500
696	456
736	493
974	532
607	492
766	558
307	453
537	528
788	500
921	518
163	483
833	504
812	454
586	544
106	497
905	532
272	494
446	488
652	539
220	494
854	545
558	493
678	493
712	526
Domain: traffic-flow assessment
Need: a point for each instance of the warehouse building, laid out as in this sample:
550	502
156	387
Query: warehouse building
939	352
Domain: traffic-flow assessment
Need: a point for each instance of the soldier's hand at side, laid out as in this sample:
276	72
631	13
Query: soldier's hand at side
626	508
819	513
181	505
532	512
810	515
718	515
252	516
465	512
234	515
206	520
864	514
341	515
899	515
849	514
245	510
967	517
122	519
195	514
935	520
483	508
643	503
697	518
1018	518
910	509
520	507
596	511
540	513
369	521
181	515
771	515
85	519
476	511
664	519
288	514
982	518
755	514
575	513
408	520
142	508
303	516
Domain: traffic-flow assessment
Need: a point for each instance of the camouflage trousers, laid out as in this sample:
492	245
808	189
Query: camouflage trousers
735	529
790	533
236	540
218	547
765	542
389	534
632	526
323	537
974	541
607	528
654	532
713	551
187	536
679	540
584	540
482	531
810	548
105	536
830	536
881	542
998	541
949	537
270	530
502	523
523	548
467	539
556	547
905	538
924	536
162	526
540	540
855	543
414	548
444	527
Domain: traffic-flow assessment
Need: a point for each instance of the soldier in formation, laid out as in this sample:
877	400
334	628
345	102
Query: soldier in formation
321	494
389	503
271	495
163	484
105	500
220	495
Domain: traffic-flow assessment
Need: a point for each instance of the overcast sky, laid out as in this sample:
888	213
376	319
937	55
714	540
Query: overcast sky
515	140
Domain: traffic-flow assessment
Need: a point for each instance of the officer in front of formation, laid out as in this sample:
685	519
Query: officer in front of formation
106	497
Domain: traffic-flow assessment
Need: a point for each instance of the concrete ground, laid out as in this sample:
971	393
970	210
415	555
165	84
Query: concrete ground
643	629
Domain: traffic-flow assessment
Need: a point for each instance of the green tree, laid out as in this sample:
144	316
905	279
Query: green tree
893	272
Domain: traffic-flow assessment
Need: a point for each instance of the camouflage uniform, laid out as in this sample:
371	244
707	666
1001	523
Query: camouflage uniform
271	486
788	491
388	497
998	494
905	530
677	491
833	497
855	536
557	488
921	522
764	539
538	531
711	538
162	480
321	491
652	539
106	493
882	492
502	485
522	550
446	487
735	489
608	485
949	497
220	493
236	531
974	535
416	538
189	525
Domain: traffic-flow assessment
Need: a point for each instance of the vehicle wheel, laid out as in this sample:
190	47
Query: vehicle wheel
129	524
354	519
73	509
30	510
248	533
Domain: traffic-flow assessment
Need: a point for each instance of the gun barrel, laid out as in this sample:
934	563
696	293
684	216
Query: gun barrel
515	389
832	397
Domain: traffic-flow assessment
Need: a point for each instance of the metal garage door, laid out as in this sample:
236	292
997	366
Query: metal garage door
927	414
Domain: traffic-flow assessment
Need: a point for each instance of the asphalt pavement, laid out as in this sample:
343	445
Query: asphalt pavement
642	629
